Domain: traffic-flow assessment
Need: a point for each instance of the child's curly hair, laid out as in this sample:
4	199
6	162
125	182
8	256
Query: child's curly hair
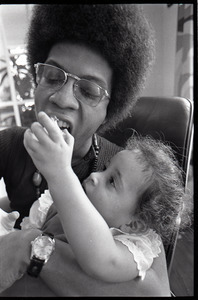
164	203
120	32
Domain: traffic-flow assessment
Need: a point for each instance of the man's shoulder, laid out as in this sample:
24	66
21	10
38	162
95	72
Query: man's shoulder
106	145
107	150
12	138
13	132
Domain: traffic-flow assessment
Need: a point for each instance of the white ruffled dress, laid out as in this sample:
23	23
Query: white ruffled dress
144	245
38	212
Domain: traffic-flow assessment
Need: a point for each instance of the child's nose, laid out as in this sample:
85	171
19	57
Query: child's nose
94	178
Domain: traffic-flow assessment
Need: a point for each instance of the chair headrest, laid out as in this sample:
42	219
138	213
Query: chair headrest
167	118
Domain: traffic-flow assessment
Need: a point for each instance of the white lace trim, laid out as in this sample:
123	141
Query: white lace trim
144	247
38	212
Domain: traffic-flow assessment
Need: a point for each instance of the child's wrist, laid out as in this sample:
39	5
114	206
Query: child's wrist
62	175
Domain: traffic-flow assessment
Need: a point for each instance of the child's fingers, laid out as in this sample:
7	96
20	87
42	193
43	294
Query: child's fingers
40	133
44	132
52	128
30	141
54	131
69	139
35	136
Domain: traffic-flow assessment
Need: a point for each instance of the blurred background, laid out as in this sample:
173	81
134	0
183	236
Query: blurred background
172	75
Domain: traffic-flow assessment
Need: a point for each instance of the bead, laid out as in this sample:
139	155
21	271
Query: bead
38	192
94	166
95	146
37	179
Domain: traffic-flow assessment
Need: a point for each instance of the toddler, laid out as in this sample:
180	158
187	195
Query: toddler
117	221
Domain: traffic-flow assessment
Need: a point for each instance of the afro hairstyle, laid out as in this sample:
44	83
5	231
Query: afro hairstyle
119	32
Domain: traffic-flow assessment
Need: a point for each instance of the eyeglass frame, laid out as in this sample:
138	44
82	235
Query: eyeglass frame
106	94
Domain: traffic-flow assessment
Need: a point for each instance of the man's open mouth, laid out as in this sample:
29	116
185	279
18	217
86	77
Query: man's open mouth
61	124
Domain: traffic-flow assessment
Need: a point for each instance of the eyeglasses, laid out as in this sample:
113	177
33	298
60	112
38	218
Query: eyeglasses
84	90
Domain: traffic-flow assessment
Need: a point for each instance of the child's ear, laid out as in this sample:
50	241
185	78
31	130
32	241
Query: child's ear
134	226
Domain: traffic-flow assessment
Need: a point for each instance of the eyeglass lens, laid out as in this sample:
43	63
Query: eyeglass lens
84	90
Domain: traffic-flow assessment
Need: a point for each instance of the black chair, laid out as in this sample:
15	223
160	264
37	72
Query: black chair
167	119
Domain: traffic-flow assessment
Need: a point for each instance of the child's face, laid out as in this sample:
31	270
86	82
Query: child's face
115	191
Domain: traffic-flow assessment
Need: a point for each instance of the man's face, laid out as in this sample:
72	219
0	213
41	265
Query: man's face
83	120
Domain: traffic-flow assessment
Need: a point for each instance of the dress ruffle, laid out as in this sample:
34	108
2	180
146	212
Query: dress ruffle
38	212
144	246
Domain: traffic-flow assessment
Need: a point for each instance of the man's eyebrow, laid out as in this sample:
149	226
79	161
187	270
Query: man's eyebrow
92	78
54	63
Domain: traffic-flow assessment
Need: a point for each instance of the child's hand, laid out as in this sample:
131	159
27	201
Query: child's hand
7	221
50	148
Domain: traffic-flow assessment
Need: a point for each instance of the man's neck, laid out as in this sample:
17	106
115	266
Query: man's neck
80	152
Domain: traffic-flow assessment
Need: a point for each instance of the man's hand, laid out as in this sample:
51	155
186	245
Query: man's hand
7	221
15	255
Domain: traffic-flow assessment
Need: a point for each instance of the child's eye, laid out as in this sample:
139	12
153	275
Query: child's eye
112	181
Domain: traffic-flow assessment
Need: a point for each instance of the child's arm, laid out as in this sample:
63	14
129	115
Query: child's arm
88	234
86	230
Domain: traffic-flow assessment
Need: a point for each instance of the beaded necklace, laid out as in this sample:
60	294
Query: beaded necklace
37	177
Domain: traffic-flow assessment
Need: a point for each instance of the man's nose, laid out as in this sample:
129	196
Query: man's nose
64	97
